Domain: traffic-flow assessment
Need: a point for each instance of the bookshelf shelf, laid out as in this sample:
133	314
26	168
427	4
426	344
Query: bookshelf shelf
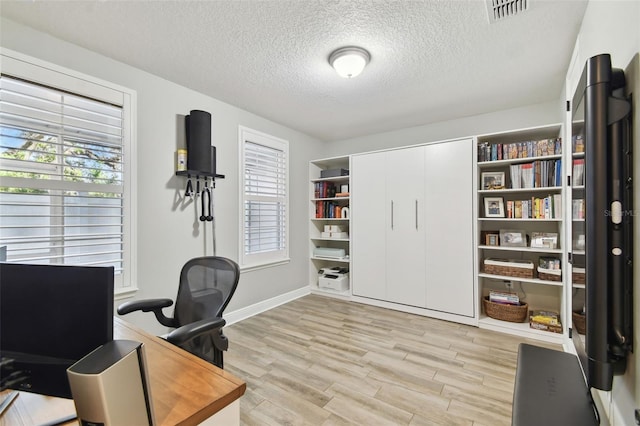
518	279
539	154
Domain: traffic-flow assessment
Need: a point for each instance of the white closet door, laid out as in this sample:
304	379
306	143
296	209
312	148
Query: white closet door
368	214
405	230
449	226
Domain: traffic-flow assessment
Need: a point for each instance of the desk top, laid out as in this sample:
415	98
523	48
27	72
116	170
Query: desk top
185	390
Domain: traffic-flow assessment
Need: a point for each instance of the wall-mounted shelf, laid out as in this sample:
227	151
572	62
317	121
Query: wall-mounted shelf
198	174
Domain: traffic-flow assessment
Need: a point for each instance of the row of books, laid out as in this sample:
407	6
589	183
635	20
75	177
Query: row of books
549	207
510	151
537	174
578	172
328	210
324	190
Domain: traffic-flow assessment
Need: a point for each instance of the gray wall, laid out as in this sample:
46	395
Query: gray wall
493	122
168	233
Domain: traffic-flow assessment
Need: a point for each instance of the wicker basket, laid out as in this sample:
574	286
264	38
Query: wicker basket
549	277
511	313
509	271
578	277
579	322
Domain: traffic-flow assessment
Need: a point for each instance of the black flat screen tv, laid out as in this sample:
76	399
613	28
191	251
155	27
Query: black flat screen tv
601	118
50	317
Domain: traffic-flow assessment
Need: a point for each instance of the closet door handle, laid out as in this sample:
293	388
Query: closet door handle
391	214
416	215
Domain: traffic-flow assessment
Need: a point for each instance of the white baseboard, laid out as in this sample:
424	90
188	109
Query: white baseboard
265	305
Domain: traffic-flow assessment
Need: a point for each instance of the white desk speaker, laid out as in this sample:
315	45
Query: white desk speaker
110	386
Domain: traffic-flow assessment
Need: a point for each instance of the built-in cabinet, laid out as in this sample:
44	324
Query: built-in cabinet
329	226
412	235
521	216
425	222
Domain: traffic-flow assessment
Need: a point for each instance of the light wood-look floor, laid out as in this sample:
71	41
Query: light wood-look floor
322	361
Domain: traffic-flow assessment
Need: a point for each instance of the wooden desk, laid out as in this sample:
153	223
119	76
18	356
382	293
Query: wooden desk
185	390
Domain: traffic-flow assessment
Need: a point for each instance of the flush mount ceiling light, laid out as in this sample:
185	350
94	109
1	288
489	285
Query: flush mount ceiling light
349	61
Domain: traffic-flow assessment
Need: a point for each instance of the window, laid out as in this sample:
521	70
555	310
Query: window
65	182
265	198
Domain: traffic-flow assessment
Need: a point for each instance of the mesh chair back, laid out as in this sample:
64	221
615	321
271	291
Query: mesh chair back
206	287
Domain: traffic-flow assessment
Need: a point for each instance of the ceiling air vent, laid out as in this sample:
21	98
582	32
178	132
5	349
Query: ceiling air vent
498	10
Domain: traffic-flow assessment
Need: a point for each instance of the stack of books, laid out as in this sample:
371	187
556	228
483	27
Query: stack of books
504	298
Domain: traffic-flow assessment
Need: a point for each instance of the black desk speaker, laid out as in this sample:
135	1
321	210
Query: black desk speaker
198	129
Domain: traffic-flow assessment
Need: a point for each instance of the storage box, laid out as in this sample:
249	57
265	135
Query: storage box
336	235
337	282
545	321
331	253
508	267
578	275
334	173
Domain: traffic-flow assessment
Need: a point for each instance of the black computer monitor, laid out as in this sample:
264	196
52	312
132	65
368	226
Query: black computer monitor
50	317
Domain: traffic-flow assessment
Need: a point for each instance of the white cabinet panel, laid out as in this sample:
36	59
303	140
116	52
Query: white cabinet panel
368	217
405	232
449	227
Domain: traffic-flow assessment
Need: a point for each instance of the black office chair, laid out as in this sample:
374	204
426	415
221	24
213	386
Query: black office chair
206	287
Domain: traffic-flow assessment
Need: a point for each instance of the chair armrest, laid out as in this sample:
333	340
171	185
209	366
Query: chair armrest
150	305
187	332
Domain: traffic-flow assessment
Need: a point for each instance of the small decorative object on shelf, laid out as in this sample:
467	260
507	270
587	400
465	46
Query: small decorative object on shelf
493	180
513	238
544	240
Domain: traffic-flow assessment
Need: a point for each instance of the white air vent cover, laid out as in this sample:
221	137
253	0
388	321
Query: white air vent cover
498	10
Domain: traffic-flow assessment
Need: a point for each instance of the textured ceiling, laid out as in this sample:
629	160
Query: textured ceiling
431	60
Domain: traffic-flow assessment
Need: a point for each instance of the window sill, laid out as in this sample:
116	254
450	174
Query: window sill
125	293
257	266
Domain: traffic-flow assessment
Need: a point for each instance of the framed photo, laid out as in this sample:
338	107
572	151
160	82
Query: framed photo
513	238
493	180
493	207
544	240
490	238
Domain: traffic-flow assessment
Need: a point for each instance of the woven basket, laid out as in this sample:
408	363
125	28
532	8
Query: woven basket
508	271
579	322
577	277
549	277
511	313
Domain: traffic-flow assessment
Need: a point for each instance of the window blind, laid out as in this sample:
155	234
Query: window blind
265	198
61	176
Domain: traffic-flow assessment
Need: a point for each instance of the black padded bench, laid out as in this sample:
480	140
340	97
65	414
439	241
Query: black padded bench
550	390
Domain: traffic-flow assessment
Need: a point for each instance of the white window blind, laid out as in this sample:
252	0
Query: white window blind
265	198
61	177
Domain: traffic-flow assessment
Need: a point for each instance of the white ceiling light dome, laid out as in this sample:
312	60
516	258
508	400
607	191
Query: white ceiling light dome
349	61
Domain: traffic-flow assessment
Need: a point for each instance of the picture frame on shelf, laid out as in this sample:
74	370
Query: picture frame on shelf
544	240
493	207
493	240
493	180
513	238
490	238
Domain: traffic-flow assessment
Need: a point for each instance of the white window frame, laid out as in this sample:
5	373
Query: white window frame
38	71
271	258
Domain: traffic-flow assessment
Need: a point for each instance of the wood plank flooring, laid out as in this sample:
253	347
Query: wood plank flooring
322	361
